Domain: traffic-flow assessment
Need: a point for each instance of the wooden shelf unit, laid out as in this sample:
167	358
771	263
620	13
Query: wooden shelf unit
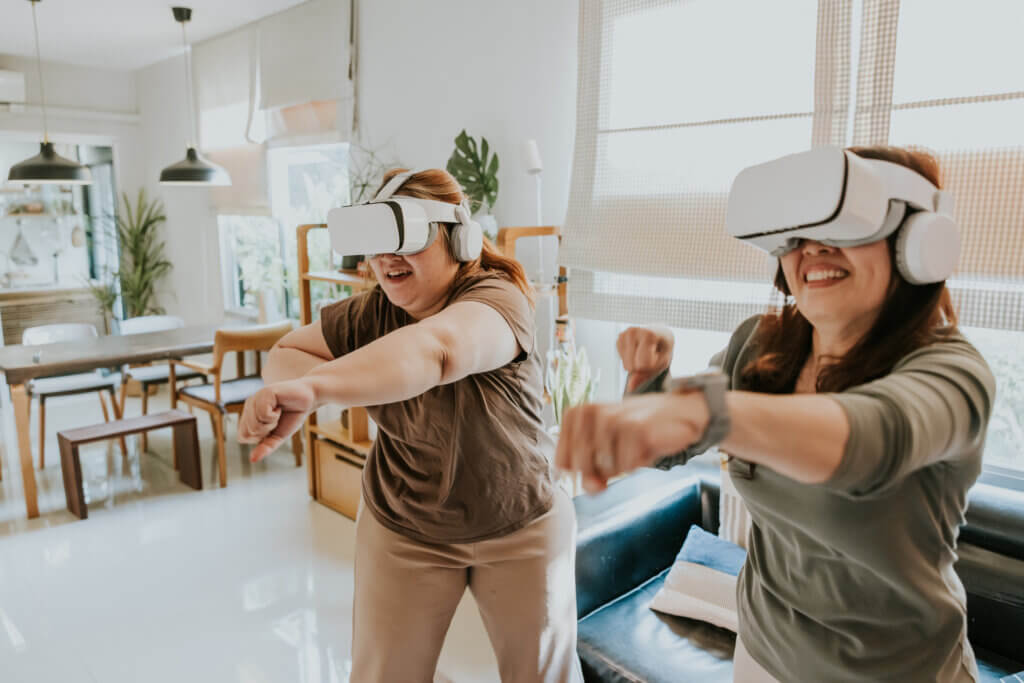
506	243
336	453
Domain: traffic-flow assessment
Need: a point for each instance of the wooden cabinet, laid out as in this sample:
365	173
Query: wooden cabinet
339	472
337	453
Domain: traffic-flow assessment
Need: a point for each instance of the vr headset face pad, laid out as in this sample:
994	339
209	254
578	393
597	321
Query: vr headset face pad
826	194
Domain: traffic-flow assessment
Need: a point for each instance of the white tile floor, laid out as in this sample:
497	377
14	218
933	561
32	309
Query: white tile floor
252	583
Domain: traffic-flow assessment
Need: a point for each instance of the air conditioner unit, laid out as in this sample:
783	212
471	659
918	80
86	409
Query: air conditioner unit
12	87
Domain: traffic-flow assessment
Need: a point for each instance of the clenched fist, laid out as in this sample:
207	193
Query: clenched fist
602	440
273	414
645	351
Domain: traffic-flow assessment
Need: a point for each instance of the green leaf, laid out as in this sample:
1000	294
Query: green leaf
475	169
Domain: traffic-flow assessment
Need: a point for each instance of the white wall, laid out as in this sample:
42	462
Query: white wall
80	87
193	288
503	70
92	106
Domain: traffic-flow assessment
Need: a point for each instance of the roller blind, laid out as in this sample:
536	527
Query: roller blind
225	74
674	98
306	88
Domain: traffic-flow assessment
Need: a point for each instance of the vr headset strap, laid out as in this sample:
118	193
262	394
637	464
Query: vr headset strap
911	187
392	186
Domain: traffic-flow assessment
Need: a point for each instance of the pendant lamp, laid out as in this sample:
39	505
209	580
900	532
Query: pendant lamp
47	166
193	169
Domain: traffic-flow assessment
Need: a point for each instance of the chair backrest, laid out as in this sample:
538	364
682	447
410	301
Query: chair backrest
150	323
255	338
60	332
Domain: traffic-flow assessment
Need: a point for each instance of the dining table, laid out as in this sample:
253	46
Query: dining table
21	364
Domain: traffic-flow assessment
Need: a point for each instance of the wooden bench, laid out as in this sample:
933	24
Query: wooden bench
186	450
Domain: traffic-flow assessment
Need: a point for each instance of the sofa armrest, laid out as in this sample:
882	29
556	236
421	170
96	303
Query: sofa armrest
632	532
995	520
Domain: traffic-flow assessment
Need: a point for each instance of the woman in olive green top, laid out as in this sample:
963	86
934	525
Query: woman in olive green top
457	490
858	420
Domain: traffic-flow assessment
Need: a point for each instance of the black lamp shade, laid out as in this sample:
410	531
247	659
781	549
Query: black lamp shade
49	167
194	170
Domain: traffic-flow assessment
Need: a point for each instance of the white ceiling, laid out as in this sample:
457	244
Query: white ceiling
120	34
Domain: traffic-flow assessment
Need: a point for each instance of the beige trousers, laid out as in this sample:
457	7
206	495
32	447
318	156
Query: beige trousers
524	584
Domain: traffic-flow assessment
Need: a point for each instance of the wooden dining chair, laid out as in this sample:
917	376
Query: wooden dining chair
223	397
151	374
68	385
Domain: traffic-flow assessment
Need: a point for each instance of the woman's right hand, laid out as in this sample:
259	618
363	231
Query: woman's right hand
645	352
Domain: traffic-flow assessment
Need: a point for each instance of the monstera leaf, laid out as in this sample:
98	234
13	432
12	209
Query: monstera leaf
476	169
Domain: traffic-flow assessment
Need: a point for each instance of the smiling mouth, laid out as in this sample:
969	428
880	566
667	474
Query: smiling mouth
826	275
398	274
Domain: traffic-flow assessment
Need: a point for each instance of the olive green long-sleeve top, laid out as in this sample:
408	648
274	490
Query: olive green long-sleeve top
852	579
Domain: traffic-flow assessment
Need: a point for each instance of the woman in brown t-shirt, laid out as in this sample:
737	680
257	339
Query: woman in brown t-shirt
457	489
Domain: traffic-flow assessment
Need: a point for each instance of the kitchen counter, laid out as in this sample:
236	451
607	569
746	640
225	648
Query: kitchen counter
22	307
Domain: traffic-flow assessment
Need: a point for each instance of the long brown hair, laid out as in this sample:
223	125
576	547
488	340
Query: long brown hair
912	316
439	185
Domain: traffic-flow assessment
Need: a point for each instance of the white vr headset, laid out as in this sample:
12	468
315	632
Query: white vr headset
402	225
835	197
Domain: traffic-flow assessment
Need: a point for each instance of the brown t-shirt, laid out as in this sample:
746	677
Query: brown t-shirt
465	461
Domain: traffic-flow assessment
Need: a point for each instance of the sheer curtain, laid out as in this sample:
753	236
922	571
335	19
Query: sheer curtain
946	76
674	98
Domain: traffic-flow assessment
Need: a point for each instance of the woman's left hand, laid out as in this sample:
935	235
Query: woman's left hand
601	441
273	414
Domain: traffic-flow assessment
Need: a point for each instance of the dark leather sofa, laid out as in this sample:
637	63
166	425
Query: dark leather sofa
629	536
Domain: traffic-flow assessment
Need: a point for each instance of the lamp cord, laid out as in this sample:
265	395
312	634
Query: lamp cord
188	87
39	68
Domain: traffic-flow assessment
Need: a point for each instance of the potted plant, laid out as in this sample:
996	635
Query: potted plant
141	260
105	292
569	381
475	167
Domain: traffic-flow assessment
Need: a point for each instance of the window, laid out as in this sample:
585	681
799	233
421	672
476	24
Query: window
305	183
259	253
1004	352
252	260
675	98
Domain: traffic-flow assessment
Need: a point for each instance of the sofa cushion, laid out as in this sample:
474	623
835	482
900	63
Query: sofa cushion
702	583
627	641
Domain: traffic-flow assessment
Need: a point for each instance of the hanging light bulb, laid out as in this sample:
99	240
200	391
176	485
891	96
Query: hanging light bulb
47	166
193	169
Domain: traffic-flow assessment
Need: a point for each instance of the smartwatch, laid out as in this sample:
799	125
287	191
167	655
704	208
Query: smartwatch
714	384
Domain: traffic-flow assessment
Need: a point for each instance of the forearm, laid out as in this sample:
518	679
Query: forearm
395	367
801	436
285	363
